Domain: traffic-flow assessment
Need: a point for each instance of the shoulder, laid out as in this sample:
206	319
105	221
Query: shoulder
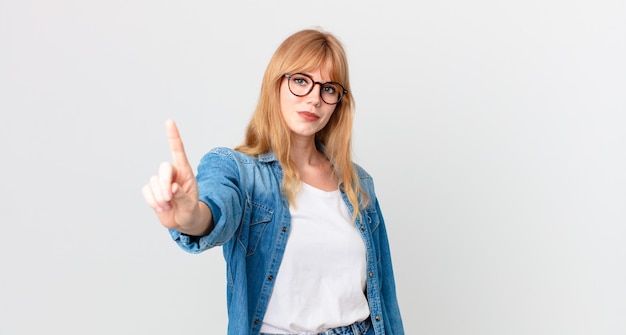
227	154
361	172
230	162
222	161
366	181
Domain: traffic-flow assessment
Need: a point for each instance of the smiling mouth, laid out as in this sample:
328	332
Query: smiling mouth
308	116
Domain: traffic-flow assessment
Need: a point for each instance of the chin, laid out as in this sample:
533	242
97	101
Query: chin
304	133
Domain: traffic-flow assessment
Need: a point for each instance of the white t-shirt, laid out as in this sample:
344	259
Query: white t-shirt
321	281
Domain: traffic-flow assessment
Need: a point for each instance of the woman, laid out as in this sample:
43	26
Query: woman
303	237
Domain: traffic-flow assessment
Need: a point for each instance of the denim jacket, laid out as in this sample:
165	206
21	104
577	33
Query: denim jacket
252	222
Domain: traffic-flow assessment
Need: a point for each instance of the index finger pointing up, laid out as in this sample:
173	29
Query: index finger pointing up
176	144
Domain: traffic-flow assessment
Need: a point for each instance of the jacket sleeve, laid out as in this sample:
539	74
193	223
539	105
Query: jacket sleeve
219	186
393	319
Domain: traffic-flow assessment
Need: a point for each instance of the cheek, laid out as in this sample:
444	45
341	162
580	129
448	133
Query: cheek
286	98
330	111
328	115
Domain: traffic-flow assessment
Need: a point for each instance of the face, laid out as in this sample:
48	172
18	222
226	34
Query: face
305	115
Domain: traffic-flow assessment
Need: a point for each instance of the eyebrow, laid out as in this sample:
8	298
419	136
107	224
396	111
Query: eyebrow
321	82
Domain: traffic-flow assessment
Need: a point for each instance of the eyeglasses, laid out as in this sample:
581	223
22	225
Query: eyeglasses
301	84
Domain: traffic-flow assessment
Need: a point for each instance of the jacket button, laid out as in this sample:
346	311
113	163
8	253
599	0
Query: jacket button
371	274
377	318
270	277
284	229
363	228
256	321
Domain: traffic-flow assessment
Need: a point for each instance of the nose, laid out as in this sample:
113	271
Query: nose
315	96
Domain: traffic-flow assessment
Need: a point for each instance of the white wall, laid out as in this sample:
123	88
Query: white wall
494	130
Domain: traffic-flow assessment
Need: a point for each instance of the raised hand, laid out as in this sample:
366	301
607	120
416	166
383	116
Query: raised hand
173	192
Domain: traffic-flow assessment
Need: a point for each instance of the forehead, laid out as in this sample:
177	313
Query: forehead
319	74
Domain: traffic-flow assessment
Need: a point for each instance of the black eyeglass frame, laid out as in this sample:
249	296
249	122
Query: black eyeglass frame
341	93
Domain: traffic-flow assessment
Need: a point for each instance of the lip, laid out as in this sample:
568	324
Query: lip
307	116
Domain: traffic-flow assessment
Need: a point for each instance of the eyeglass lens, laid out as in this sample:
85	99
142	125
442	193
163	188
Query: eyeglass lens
301	85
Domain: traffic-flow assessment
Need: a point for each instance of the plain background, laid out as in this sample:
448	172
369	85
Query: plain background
495	131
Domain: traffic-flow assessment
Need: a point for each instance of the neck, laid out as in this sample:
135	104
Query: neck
304	153
313	167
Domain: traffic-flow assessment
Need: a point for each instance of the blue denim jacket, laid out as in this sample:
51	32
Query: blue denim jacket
252	223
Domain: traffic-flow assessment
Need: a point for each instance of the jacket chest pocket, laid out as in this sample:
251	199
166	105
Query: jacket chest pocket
372	218
254	226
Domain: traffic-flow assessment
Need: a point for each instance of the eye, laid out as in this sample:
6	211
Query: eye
330	89
301	80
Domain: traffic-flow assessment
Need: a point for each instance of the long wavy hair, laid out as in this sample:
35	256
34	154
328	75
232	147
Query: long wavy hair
306	50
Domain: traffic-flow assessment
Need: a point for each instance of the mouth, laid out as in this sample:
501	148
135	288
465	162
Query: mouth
308	116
